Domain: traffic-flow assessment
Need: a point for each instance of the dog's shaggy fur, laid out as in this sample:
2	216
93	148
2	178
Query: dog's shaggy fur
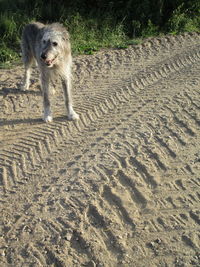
49	46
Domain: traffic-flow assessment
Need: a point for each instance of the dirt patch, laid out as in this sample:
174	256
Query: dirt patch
120	187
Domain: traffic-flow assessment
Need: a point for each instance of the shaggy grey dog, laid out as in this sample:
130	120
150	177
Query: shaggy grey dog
49	46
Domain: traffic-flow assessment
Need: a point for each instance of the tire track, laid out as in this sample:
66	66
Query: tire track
126	193
100	106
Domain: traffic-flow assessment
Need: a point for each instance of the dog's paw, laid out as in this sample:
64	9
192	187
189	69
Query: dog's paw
73	116
48	118
53	91
24	87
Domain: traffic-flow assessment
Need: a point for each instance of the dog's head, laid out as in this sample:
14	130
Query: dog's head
54	44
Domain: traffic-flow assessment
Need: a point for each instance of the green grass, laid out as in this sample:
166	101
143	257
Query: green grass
181	22
87	36
89	33
10	30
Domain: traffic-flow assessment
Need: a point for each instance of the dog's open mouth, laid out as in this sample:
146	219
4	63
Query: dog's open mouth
49	62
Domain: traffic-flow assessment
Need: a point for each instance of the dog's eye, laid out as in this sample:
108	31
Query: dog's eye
44	41
55	44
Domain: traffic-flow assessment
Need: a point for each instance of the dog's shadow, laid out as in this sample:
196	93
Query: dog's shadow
32	121
29	121
16	91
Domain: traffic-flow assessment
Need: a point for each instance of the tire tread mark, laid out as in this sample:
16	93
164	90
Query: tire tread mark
163	144
192	101
176	135
195	216
154	155
98	221
53	259
53	131
193	117
182	124
79	242
137	196
143	171
122	160
37	254
4	178
117	202
189	242
50	226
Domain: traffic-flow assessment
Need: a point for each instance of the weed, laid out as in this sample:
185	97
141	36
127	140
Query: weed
181	21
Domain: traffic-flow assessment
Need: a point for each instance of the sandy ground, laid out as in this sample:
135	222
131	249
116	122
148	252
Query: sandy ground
120	187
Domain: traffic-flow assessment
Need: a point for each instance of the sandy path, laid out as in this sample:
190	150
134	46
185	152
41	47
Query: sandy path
121	186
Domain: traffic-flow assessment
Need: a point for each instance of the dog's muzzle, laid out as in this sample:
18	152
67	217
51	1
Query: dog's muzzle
48	62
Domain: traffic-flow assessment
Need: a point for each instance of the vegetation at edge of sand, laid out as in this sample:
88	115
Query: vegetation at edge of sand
96	24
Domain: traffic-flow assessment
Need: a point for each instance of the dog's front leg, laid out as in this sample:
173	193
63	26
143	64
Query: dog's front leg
66	82
46	100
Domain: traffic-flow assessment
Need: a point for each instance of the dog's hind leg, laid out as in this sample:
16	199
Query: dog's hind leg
28	61
46	99
26	83
66	82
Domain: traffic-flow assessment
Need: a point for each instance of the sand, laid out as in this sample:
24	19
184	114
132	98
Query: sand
119	187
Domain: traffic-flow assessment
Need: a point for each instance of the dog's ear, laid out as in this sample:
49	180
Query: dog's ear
63	30
65	35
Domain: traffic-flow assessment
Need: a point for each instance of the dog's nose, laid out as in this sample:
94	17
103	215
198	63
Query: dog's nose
43	56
